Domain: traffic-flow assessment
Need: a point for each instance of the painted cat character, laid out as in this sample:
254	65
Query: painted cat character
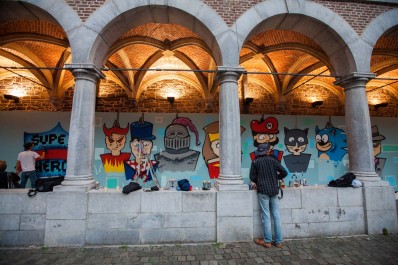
296	141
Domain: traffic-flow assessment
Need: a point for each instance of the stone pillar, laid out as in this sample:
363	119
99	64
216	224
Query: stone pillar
79	170
378	196
358	127
230	177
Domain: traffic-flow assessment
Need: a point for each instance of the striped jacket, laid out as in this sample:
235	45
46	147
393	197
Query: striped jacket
265	171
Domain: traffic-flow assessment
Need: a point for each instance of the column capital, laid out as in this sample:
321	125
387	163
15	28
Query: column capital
353	79
229	73
79	69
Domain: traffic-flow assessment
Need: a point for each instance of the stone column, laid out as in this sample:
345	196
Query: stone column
230	177
358	126
378	196
79	170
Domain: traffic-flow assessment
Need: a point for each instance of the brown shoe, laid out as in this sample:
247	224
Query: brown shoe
261	242
278	245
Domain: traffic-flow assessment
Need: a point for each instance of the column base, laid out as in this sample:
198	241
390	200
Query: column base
76	183
366	176
230	183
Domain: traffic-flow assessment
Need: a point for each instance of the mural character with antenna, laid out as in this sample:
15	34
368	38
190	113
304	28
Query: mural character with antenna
115	140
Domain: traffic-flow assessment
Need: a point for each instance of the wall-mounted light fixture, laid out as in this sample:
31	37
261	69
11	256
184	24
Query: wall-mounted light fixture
133	103
316	103
11	97
248	101
170	100
381	105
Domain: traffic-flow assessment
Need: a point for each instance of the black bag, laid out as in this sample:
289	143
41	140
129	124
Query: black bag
132	186
45	185
343	181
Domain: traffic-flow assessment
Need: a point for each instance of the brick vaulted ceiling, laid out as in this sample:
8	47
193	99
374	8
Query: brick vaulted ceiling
43	49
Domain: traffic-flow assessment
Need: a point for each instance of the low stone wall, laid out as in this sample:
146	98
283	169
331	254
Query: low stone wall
318	211
98	217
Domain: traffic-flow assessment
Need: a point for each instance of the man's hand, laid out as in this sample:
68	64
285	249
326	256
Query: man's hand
254	185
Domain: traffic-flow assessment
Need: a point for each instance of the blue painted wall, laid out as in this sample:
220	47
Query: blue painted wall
319	171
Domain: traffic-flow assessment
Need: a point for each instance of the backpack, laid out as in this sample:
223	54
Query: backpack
45	185
343	181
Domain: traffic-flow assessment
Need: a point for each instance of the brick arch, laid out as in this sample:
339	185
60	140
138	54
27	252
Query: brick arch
312	20
114	18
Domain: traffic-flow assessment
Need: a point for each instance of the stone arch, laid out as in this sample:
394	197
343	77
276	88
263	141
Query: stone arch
114	18
378	27
312	20
56	11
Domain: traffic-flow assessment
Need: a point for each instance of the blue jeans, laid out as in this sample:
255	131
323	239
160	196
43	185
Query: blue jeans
28	175
268	203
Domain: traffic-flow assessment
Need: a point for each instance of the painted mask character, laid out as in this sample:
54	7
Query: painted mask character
296	142
265	131
141	168
115	140
376	139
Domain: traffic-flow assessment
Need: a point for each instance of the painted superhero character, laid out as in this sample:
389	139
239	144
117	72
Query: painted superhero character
211	148
376	139
178	156
115	140
265	131
296	141
141	168
331	143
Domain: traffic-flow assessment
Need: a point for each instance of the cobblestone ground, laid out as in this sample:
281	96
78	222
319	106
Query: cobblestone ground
378	249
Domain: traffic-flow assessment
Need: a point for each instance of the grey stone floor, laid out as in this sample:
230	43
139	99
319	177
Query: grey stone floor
364	249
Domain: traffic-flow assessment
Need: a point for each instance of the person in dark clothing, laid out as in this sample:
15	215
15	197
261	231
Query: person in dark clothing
8	180
265	173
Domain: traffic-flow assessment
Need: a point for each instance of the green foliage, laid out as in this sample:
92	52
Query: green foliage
124	247
218	245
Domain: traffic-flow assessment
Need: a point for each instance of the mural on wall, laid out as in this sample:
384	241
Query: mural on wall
319	171
115	141
331	142
376	139
211	148
265	131
55	143
177	155
296	141
142	168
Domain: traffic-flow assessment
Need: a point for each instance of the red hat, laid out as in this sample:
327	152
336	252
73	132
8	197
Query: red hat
268	126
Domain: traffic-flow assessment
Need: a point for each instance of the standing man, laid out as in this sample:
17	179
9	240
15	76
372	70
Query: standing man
265	172
26	163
